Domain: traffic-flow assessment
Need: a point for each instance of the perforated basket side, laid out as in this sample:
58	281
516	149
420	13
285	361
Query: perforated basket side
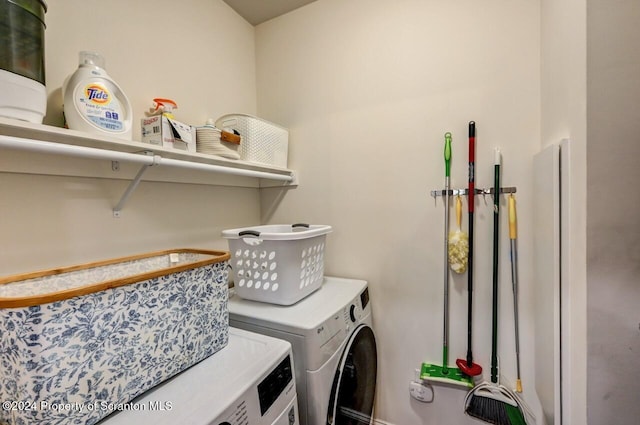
262	141
277	272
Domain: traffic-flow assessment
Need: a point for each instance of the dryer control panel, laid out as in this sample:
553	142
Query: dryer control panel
267	402
357	311
274	384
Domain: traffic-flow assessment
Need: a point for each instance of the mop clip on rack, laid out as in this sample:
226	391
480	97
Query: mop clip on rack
460	192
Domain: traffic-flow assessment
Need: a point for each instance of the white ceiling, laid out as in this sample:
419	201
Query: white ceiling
259	11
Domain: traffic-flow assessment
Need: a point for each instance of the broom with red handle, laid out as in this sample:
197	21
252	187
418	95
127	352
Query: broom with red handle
467	366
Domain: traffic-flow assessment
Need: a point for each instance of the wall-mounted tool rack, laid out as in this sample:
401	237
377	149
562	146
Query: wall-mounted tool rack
456	192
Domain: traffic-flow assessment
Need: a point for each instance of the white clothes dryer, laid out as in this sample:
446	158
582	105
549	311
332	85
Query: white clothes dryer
249	382
334	348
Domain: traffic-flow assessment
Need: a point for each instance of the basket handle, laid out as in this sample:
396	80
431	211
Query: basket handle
229	137
256	234
253	233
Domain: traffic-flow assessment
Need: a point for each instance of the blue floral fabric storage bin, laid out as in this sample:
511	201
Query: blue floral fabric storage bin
81	342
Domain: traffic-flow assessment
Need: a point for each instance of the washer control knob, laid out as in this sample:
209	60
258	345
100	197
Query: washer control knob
354	313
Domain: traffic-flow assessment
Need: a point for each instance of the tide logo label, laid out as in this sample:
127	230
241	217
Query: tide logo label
98	94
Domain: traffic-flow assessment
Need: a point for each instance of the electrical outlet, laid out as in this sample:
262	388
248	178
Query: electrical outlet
421	392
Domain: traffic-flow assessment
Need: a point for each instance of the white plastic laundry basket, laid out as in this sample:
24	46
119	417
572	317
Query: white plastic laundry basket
277	264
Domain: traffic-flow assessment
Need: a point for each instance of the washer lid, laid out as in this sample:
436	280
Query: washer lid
306	315
203	392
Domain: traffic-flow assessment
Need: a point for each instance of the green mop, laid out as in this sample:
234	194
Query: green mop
489	401
443	373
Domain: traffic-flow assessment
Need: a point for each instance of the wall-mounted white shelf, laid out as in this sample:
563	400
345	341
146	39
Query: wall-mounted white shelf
28	149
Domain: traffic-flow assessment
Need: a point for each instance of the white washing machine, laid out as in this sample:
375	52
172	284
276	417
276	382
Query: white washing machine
249	382
334	348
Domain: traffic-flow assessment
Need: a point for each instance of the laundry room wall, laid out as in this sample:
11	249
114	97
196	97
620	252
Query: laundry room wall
368	88
563	48
613	231
203	57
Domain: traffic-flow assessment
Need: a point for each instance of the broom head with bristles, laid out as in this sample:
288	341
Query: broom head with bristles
493	404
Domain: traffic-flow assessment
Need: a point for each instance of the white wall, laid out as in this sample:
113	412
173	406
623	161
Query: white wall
368	88
203	57
563	47
613	231
200	55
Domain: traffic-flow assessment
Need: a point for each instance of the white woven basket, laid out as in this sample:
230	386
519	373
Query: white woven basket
277	264
262	141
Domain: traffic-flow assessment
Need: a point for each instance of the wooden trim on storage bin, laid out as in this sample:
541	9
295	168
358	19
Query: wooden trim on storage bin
217	256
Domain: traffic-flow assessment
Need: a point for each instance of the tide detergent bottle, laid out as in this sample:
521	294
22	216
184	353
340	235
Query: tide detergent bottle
93	102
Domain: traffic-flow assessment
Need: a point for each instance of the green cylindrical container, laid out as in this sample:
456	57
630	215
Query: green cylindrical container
22	75
22	37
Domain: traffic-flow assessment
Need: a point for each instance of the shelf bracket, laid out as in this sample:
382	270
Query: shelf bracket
117	210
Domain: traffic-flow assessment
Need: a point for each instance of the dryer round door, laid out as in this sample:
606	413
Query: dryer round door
354	384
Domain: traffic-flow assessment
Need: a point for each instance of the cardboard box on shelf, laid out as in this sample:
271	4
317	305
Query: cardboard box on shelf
166	132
